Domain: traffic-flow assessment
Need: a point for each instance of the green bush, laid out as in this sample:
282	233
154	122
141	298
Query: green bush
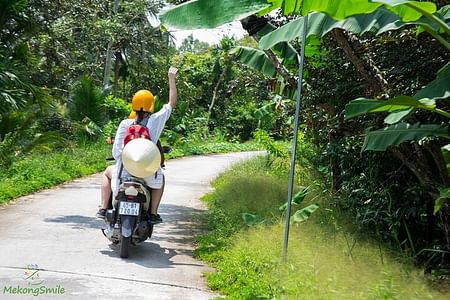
116	108
57	123
87	102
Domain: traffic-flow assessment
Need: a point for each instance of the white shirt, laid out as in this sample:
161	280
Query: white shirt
155	126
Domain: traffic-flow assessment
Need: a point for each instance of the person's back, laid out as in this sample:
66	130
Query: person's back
143	104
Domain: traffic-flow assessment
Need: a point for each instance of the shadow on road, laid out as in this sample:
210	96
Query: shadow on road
149	255
77	221
181	224
174	237
81	186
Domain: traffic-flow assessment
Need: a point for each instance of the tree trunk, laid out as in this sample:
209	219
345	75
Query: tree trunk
288	77
417	161
107	71
369	73
216	89
118	56
214	97
253	25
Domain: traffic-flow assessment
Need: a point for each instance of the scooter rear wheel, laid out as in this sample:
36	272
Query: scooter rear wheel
125	247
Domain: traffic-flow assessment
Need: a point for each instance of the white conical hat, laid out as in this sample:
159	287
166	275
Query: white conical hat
141	158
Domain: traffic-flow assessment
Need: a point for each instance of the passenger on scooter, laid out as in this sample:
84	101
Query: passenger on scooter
106	190
142	104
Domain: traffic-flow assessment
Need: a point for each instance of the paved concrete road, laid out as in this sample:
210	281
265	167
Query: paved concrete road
56	230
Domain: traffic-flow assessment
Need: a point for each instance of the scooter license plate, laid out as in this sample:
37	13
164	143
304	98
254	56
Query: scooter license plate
129	208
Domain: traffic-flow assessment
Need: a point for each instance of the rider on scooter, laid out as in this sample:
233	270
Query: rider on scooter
142	104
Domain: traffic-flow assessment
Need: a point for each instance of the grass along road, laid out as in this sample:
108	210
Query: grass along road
324	260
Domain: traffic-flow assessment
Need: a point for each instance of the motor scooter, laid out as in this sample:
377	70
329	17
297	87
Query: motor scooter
127	222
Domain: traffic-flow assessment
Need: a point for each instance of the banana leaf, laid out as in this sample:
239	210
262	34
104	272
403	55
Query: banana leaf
259	61
444	196
255	59
303	214
437	89
446	155
397	116
284	50
445	69
319	24
251	219
362	106
444	12
408	10
210	14
297	199
402	106
380	140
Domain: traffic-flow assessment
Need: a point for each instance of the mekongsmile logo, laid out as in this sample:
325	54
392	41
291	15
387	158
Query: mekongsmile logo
32	275
35	284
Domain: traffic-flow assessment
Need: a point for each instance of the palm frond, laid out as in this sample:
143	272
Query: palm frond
87	101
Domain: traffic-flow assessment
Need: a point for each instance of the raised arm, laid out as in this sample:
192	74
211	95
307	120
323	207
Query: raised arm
172	86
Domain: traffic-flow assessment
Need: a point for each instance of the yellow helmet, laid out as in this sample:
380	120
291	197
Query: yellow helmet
143	100
132	115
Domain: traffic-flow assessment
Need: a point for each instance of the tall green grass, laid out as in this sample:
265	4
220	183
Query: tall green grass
44	170
323	261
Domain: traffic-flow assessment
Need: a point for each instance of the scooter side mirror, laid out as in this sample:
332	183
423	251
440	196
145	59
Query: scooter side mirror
167	149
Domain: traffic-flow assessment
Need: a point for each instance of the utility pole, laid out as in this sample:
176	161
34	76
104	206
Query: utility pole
294	142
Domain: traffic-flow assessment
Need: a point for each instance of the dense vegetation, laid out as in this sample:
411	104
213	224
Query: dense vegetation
69	68
387	170
68	71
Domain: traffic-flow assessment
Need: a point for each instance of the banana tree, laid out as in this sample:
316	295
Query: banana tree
356	16
274	62
321	24
400	108
323	17
226	45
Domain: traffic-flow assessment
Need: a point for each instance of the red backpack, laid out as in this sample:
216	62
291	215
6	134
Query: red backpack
136	131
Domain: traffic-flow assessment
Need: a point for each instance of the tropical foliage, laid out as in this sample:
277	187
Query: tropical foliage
69	69
375	111
367	63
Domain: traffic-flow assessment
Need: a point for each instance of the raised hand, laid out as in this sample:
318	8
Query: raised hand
172	73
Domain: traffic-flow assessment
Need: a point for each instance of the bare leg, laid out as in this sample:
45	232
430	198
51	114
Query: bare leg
106	186
156	198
